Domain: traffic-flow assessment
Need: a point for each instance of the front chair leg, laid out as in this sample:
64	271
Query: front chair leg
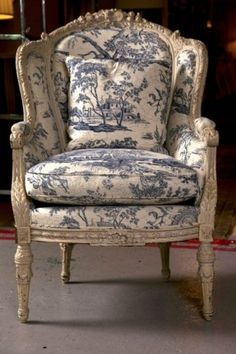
206	258
165	260
66	258
23	261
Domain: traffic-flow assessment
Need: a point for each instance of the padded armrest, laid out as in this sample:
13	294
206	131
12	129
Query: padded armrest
190	145
205	130
20	132
196	147
34	141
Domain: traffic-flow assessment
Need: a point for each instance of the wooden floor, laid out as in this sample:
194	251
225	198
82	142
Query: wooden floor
225	226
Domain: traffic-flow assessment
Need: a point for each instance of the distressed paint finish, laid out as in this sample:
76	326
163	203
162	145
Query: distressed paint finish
66	249
206	258
23	261
191	139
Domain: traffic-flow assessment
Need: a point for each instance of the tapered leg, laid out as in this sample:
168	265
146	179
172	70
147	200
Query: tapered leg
66	258
165	252
206	258
23	261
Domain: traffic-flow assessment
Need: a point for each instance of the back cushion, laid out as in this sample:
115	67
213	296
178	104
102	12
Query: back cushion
113	88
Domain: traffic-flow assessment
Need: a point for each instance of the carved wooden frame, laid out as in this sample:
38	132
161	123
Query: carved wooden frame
21	133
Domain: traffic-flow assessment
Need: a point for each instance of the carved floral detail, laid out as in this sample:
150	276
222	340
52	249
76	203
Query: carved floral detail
205	129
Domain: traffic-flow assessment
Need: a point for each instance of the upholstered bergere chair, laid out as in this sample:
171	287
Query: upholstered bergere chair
113	150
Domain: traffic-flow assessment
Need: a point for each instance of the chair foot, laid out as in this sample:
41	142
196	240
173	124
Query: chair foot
165	275
207	317
23	261
23	315
206	258
65	278
165	257
66	258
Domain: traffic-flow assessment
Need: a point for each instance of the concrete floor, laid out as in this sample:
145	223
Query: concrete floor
117	303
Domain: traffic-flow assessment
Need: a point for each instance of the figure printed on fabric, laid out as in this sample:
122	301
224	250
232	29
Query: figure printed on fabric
119	90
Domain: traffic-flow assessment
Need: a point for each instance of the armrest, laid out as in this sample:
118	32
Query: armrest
196	147
185	145
205	130
189	145
34	141
20	133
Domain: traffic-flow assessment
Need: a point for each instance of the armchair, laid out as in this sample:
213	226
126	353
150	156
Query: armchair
113	149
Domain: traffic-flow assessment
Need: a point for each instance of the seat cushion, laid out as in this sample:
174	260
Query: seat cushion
118	104
140	217
111	176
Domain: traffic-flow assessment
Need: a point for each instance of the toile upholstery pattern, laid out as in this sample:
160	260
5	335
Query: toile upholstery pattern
113	142
149	217
111	176
114	101
131	70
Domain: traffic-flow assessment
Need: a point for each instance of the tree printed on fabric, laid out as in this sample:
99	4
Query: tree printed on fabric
141	46
123	92
184	88
112	176
86	77
117	217
130	109
116	104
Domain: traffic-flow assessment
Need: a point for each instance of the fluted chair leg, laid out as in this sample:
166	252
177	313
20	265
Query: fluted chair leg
206	258
165	259
23	261
66	258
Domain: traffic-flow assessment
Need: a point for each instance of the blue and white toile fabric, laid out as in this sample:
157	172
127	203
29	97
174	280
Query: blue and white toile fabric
44	141
130	165
117	103
142	51
112	176
116	217
118	44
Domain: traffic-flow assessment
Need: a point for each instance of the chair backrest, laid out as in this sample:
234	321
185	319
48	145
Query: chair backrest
45	68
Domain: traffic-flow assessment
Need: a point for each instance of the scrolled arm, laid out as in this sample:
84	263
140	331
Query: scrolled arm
20	133
205	130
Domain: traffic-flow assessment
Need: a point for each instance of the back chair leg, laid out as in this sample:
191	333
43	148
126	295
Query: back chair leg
23	261
66	258
206	258
165	259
